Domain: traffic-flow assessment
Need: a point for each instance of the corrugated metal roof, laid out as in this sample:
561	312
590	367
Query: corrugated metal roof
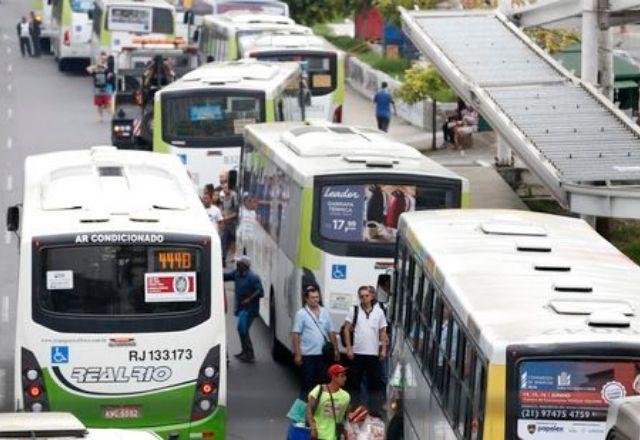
584	140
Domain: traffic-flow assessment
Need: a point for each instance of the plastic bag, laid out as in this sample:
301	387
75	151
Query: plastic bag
372	428
297	413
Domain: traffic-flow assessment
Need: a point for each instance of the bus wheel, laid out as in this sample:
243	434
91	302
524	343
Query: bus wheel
62	65
278	351
395	429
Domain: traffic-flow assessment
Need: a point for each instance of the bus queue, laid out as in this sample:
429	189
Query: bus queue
374	276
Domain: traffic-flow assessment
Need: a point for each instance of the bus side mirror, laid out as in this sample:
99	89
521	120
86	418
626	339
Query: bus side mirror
196	35
90	14
13	218
307	98
188	17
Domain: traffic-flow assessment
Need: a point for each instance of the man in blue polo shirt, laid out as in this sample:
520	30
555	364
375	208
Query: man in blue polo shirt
384	101
312	329
248	292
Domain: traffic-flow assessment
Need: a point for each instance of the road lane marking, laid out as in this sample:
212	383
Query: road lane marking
10	68
5	37
9	142
5	308
8	50
9	114
9	87
7	237
9	183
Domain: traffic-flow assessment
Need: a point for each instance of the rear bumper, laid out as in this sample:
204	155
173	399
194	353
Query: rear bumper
212	427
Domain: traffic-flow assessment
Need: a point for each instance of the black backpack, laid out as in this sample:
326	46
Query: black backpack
353	326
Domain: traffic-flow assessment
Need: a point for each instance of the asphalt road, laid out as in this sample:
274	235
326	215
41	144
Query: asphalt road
43	110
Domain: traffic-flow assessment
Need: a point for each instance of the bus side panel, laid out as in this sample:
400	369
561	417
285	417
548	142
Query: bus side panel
308	255
270	106
494	416
466	200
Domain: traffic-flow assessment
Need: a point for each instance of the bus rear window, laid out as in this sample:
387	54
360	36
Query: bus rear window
321	69
560	399
120	281
140	20
205	117
253	7
369	212
81	5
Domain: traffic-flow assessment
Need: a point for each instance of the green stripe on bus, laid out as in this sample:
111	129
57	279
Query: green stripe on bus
37	5
233	53
66	14
338	94
308	254
159	146
271	114
155	408
466	200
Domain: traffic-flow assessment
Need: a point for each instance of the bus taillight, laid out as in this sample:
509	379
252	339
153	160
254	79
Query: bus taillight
67	38
34	392
205	399
337	114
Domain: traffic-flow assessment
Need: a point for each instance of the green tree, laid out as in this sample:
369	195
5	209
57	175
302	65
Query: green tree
389	8
311	12
553	40
423	82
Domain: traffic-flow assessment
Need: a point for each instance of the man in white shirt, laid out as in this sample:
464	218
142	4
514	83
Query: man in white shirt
367	347
25	39
214	213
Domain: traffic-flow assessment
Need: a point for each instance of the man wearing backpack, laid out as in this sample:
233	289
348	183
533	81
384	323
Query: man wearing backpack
99	73
365	338
328	405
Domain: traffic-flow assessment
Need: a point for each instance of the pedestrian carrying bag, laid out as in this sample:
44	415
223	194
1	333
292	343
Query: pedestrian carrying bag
353	327
327	347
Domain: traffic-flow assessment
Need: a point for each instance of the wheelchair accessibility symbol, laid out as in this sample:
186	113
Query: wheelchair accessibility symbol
339	271
60	354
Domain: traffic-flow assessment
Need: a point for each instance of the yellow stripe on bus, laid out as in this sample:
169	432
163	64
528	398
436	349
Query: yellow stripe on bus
494	417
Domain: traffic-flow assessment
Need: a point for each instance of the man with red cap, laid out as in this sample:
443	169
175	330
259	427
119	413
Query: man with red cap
327	405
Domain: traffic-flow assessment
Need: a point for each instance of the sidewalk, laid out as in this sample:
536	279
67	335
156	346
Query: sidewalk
488	189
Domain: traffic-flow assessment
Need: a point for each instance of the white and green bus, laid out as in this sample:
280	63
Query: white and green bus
324	208
221	35
509	325
70	33
201	117
120	23
120	295
323	63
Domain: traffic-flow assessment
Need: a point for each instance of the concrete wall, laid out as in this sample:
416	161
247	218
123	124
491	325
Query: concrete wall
366	81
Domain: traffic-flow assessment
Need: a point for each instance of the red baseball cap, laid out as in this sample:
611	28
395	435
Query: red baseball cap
336	369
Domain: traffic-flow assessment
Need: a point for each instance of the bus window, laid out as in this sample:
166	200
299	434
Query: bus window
408	295
162	21
81	5
418	284
209	116
110	282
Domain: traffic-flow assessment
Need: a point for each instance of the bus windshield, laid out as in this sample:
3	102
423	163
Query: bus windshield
120	281
565	395
321	68
366	213
140	20
203	117
81	5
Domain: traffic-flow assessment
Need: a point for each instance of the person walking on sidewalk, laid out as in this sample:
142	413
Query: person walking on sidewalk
312	329
23	35
248	291
328	405
367	324
384	101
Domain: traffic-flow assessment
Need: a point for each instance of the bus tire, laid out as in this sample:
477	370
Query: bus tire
278	351
62	65
395	429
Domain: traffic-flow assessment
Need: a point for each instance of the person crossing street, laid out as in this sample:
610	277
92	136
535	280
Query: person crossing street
248	291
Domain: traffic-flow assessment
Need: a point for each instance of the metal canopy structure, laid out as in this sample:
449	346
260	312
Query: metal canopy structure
584	150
